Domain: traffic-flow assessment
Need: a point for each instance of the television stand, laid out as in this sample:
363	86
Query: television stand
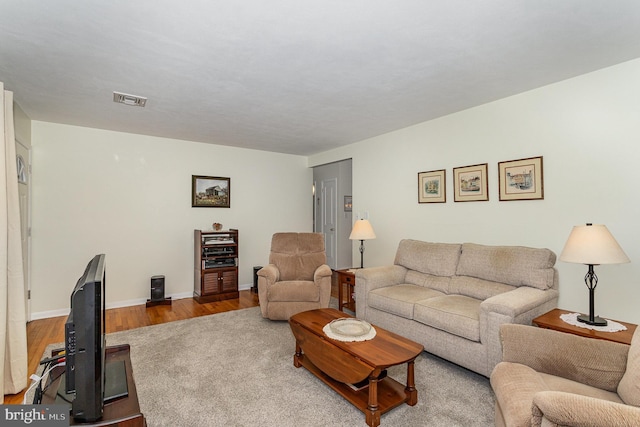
120	412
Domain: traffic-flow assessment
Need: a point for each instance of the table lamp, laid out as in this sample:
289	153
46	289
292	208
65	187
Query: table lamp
362	231
592	245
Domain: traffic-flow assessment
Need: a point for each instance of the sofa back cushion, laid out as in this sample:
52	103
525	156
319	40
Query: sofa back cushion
629	386
437	259
477	288
297	255
513	265
438	283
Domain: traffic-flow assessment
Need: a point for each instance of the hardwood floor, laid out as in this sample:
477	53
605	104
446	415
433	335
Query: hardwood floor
42	332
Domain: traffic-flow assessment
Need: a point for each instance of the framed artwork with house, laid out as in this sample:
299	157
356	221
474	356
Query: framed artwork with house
210	192
432	187
521	179
470	183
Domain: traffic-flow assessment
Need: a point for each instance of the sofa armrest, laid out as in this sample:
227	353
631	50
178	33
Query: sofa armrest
598	363
518	301
368	279
556	408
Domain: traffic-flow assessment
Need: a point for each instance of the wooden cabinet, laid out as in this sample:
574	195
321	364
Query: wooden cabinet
216	265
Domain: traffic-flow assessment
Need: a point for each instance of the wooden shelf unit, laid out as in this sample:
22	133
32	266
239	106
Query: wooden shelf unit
216	265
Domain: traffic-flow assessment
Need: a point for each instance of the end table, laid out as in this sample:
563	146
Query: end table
346	278
552	320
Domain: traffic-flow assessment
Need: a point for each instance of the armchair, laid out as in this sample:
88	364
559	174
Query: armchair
550	378
297	277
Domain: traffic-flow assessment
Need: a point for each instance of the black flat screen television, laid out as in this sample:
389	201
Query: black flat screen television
85	343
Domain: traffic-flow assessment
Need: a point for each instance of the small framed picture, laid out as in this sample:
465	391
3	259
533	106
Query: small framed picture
432	187
210	192
521	179
470	183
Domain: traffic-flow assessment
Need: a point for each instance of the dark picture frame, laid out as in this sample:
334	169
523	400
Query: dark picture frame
210	192
432	186
470	183
521	179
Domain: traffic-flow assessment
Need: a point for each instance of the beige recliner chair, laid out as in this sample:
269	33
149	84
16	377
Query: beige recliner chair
550	378
297	277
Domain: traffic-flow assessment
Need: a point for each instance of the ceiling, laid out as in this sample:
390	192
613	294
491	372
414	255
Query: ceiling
295	76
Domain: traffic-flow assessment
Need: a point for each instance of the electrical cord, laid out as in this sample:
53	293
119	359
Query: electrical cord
37	382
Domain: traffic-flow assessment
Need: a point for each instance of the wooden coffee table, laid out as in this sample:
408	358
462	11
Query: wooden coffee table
340	365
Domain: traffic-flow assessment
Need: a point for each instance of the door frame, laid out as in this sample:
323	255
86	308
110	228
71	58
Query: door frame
26	228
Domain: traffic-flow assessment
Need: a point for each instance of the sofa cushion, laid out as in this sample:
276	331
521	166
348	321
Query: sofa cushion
513	265
399	299
629	386
438	259
456	314
293	290
477	288
439	283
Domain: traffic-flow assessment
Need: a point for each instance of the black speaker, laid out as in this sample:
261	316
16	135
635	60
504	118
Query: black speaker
157	292
157	288
254	288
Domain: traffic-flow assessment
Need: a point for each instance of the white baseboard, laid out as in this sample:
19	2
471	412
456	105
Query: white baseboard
119	304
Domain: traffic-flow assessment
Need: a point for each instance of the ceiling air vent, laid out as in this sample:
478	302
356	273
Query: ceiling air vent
133	100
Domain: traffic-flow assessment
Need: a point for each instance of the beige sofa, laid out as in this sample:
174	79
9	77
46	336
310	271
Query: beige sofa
550	378
452	298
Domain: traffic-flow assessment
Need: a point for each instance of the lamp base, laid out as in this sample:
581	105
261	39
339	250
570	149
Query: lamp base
597	321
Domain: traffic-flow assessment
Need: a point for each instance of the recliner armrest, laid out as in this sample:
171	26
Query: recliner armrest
568	409
270	272
323	271
595	362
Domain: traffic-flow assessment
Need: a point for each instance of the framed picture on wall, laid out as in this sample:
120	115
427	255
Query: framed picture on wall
432	187
210	192
521	179
470	183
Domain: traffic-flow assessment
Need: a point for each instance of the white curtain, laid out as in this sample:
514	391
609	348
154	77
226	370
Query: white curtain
13	317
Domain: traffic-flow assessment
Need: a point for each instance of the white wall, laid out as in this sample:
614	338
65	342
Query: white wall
129	196
588	131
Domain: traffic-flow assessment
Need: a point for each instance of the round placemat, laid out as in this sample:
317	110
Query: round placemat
611	326
349	329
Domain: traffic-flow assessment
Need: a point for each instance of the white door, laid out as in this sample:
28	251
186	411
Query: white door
23	160
329	206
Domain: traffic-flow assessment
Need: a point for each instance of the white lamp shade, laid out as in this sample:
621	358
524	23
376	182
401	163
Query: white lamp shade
362	230
592	245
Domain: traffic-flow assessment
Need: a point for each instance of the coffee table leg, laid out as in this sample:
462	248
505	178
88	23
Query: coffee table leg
373	411
410	389
298	356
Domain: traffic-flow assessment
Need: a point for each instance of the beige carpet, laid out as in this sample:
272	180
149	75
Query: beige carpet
236	369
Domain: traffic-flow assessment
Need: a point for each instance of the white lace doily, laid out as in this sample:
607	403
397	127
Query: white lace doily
349	329
611	326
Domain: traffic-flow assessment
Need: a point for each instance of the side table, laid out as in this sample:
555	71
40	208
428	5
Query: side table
346	278
552	320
